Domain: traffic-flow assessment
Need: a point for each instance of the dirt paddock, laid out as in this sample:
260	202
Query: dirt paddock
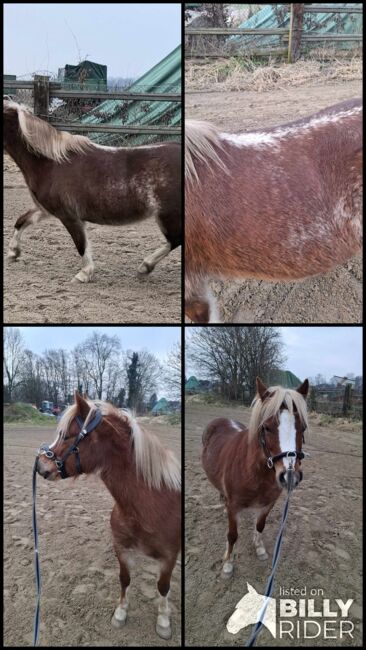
80	572
335	297
38	288
322	542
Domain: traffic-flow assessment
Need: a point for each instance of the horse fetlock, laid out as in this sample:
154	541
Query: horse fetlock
144	269
163	626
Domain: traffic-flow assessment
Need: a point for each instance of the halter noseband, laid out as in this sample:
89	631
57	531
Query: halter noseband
74	449
271	460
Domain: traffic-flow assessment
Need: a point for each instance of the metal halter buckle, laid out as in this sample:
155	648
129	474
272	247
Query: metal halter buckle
269	462
49	453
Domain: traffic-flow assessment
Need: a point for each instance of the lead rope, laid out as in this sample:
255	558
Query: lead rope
275	561
36	561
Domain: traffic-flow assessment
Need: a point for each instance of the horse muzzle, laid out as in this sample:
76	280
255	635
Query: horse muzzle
289	478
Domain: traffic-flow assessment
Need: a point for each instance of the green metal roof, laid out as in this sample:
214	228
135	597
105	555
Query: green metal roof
284	378
164	77
322	22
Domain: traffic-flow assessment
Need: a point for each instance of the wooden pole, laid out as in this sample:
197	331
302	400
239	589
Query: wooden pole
294	41
41	91
347	399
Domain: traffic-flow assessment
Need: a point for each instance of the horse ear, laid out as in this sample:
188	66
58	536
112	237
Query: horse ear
82	405
304	388
261	388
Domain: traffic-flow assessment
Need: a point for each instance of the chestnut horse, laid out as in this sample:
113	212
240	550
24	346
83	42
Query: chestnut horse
251	466
142	476
282	203
75	180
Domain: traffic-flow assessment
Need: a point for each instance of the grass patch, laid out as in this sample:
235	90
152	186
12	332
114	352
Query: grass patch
19	413
245	73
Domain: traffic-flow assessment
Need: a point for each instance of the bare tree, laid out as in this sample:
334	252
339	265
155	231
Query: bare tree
173	372
143	372
94	357
13	359
235	356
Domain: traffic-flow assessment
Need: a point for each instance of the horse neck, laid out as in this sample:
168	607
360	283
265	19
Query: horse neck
117	470
28	162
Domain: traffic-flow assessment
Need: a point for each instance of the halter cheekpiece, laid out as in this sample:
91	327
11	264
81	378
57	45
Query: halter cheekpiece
74	449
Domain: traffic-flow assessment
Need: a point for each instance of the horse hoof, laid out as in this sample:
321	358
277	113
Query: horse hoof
144	269
119	617
227	570
82	277
164	631
118	622
262	556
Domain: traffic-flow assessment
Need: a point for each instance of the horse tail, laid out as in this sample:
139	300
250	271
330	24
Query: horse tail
202	143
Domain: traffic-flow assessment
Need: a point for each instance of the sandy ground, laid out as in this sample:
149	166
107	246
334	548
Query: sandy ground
80	572
38	286
335	297
321	548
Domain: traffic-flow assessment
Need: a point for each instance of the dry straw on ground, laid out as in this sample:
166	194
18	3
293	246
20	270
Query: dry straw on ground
243	74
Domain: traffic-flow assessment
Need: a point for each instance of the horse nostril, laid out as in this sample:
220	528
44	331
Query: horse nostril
282	478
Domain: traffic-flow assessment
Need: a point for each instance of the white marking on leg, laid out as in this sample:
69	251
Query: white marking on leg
214	314
14	245
120	613
87	271
259	545
228	565
163	625
151	261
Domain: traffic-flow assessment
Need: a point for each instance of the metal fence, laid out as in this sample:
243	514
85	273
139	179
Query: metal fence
342	401
289	42
116	117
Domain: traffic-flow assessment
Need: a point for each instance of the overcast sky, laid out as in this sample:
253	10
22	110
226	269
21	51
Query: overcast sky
312	350
128	38
158	340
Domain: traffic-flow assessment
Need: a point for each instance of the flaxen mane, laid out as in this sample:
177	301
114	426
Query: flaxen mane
262	410
44	139
201	142
155	464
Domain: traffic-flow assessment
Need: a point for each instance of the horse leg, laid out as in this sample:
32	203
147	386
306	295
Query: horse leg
200	303
120	613
78	233
29	218
232	536
170	227
151	261
258	528
163	623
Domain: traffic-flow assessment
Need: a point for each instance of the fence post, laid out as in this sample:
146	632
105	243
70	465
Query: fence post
347	399
41	91
312	399
294	40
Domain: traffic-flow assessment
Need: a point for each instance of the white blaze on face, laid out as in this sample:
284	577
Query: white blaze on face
287	434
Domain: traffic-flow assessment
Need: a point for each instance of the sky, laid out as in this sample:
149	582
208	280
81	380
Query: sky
158	340
326	350
128	38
